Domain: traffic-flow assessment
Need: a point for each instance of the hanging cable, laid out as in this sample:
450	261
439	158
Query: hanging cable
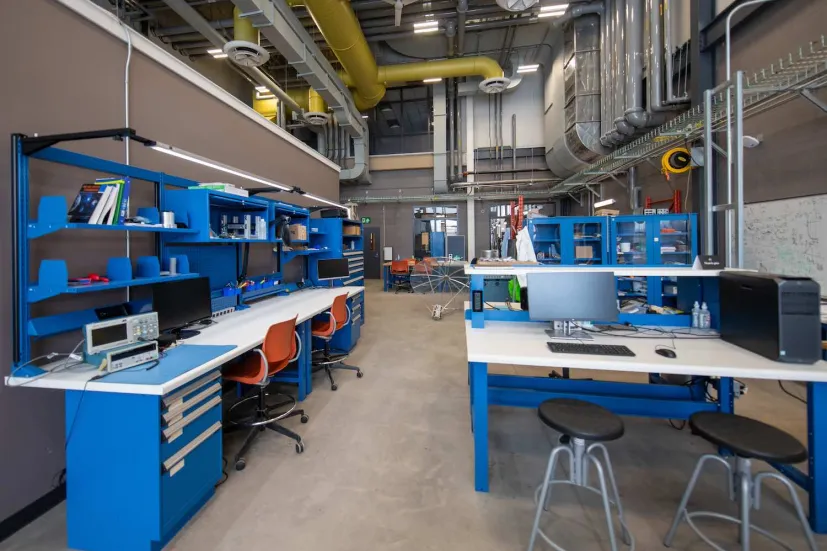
128	35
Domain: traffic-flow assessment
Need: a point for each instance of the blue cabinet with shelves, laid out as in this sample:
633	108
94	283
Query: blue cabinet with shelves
570	240
338	238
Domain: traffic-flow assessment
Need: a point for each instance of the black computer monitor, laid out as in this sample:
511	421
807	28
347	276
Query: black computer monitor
572	296
334	268
181	303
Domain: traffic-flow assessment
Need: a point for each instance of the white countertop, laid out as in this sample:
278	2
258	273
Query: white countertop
525	344
244	329
663	271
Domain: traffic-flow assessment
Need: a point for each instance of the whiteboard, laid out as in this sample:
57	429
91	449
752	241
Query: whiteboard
788	237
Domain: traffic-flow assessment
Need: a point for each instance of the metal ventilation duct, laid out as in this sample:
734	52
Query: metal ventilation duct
575	84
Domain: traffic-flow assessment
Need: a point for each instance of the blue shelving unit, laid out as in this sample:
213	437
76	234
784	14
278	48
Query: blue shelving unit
570	240
653	240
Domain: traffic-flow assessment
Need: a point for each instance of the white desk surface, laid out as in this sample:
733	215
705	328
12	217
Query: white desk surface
525	344
663	271
245	329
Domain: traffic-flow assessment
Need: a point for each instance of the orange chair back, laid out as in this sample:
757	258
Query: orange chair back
339	310
398	267
279	345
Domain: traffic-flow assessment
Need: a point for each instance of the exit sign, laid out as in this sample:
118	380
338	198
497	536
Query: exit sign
366	220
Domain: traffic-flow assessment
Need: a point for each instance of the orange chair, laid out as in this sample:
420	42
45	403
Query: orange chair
281	347
337	317
401	276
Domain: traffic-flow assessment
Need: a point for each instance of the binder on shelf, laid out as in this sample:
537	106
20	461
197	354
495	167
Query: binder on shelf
85	203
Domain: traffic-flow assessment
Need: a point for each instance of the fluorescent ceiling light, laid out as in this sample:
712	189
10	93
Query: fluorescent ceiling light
220	56
426	24
325	201
215	51
554	8
551	13
528	68
267	95
426	30
432	80
364	116
262	89
605	203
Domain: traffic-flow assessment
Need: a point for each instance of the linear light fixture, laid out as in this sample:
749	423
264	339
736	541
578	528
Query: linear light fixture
555	10
267	95
528	68
432	80
262	89
215	51
203	161
426	30
426	24
605	203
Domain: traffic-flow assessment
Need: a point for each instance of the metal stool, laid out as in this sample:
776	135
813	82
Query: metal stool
748	439
581	421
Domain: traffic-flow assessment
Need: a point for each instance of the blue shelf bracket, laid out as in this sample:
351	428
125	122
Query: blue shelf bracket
52	280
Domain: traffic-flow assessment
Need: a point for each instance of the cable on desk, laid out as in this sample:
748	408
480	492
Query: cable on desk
787	392
57	369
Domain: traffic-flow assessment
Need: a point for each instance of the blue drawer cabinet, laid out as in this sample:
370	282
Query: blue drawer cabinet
346	338
139	466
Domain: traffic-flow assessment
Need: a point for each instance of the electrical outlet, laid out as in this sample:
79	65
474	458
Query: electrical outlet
739	388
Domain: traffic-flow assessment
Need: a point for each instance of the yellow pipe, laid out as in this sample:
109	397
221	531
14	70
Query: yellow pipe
340	29
307	98
243	28
315	103
445	68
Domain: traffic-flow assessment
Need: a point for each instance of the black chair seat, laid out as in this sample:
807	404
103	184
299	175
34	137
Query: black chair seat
580	419
747	437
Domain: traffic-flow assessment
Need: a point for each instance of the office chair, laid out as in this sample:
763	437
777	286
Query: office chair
337	317
281	347
400	276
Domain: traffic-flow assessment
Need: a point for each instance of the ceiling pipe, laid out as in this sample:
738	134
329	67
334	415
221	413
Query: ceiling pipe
452	197
462	11
191	16
451	35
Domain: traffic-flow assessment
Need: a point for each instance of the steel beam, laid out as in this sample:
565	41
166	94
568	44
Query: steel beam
702	60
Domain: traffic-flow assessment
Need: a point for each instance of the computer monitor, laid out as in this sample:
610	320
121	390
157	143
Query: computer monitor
181	303
334	268
572	296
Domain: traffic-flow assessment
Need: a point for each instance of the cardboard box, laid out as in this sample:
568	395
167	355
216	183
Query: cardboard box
584	251
606	212
298	232
349	229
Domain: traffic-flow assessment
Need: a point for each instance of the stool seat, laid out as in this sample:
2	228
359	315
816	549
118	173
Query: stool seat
580	419
747	437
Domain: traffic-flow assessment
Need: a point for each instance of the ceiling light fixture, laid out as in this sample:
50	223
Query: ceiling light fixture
266	95
426	30
555	10
426	24
605	203
528	68
215	51
364	116
262	89
432	80
220	56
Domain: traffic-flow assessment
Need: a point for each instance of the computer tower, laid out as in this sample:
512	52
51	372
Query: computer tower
772	315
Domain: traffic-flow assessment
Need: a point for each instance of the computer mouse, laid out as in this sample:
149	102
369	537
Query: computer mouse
666	353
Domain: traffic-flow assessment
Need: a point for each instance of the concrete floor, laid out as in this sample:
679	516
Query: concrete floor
388	464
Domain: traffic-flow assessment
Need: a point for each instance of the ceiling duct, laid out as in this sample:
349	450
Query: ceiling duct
245	50
516	5
575	83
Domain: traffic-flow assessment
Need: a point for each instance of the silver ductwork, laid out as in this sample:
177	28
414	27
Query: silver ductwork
575	83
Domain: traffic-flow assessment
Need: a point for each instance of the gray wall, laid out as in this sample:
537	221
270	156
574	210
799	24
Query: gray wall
71	79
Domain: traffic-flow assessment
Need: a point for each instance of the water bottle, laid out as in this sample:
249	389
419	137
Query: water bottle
705	317
696	315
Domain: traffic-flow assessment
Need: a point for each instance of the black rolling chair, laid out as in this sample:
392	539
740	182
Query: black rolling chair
580	422
748	439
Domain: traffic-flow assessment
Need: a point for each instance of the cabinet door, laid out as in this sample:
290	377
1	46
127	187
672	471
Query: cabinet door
672	243
588	243
631	240
545	236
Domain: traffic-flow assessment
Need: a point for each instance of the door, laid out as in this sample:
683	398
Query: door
373	253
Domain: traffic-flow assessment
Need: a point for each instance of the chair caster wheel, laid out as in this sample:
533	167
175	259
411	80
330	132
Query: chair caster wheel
359	374
305	418
240	464
300	447
333	387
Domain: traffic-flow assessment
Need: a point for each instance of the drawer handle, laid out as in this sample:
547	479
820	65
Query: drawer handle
176	427
176	409
357	318
174	397
170	463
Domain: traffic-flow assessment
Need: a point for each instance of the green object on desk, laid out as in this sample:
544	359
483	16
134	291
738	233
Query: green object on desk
514	290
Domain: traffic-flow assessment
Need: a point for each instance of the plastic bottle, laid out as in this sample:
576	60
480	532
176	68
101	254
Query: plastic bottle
696	315
705	317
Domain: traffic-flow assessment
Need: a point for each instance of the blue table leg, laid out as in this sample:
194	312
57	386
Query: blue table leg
307	360
478	318
386	278
479	420
817	444
301	366
726	397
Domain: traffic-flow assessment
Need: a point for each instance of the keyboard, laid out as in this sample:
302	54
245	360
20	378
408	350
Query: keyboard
591	349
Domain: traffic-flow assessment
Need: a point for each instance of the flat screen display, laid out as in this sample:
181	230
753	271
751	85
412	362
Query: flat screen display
181	303
334	268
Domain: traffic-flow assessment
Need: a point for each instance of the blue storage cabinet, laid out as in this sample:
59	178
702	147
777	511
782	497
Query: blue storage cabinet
653	240
202	209
570	240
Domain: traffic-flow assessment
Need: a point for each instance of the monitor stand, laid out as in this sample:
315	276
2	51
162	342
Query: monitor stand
186	333
569	332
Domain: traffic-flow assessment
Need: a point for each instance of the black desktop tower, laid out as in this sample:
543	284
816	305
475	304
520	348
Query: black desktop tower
772	315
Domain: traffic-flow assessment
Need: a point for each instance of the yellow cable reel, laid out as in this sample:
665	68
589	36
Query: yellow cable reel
676	161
